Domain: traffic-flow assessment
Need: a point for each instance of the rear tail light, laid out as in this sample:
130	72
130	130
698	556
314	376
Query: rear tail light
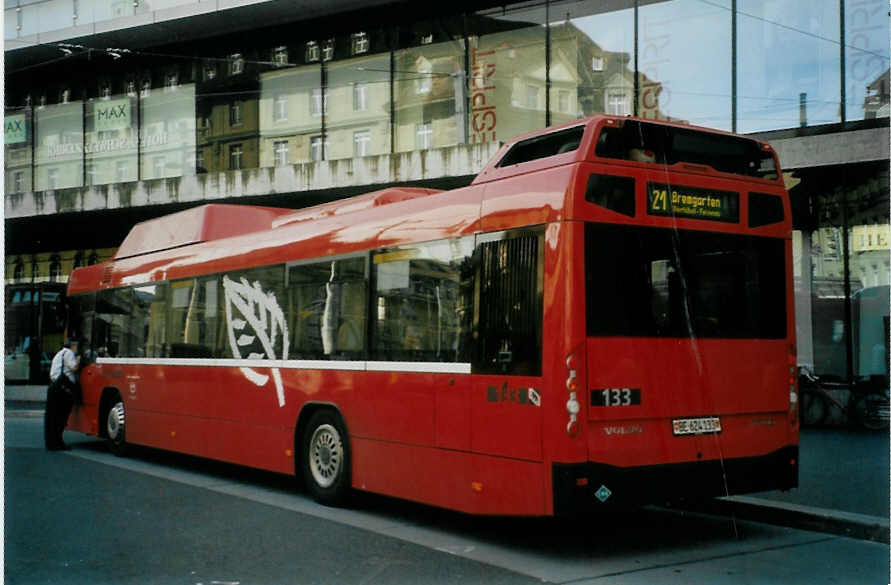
793	386
572	405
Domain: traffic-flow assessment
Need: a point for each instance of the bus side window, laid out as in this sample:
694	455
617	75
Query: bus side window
508	332
80	324
253	307
327	309
422	302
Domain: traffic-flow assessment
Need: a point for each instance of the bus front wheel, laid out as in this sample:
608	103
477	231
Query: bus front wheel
115	427
326	458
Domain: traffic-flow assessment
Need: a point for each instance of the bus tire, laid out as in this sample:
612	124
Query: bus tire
115	427
813	408
871	412
326	458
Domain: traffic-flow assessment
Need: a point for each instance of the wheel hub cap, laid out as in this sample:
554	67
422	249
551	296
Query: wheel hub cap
325	455
115	424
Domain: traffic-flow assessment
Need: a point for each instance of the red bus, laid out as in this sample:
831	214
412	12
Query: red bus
603	316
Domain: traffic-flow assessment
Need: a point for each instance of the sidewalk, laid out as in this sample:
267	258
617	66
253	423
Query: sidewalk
843	479
24	399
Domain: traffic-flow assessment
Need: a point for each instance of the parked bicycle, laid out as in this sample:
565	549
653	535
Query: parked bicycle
867	402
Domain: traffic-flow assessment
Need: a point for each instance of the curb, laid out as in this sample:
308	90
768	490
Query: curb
849	524
23	413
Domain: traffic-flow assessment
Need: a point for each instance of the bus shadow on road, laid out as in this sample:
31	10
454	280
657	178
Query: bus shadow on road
614	533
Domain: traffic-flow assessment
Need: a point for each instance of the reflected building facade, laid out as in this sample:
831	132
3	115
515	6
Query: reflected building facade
138	129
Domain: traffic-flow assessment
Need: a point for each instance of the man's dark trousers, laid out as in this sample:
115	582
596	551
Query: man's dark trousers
58	406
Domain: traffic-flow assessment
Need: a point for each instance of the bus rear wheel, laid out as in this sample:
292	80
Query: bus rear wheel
115	427
326	458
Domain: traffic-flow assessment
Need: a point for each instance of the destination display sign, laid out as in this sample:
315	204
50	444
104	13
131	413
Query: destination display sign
695	202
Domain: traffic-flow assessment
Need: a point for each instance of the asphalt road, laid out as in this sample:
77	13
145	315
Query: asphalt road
85	516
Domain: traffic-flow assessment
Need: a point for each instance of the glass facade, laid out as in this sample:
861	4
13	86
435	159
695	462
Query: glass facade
789	63
738	65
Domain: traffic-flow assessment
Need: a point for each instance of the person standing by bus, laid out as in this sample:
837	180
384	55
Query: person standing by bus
60	395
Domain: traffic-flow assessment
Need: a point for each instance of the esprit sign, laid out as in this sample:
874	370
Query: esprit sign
14	129
111	115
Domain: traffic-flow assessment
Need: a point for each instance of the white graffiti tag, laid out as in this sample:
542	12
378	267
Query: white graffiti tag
259	321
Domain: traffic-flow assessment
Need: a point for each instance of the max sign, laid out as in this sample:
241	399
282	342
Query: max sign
111	115
14	129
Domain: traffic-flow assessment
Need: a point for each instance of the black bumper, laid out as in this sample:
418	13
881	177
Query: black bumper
581	487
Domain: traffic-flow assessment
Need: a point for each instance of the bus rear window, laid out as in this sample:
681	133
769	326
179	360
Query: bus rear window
654	282
659	144
543	146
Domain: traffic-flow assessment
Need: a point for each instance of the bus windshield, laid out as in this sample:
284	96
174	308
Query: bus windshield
657	143
683	283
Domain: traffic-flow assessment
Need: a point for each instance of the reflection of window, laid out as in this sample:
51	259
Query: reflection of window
159	163
316	147
236	152
280	108
146	90
361	141
171	80
328	50
18	271
563	101
91	173
131	88
52	178
280	56
318	102
425	80
531	96
120	171
360	43
312	52
210	71
236	64
617	103
18	182
280	149
424	136
360	97
55	268
236	113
